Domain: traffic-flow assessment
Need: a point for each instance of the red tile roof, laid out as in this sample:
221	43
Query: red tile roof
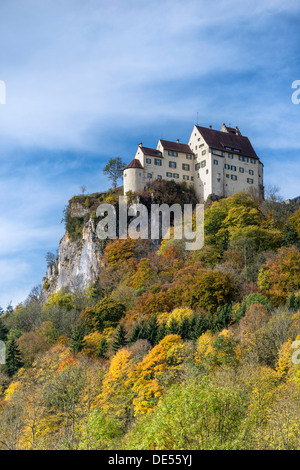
135	163
227	141
151	152
176	146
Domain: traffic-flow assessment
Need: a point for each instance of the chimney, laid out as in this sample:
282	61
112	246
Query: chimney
210	126
141	144
237	131
177	141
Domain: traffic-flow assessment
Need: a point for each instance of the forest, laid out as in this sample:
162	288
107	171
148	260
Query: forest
169	348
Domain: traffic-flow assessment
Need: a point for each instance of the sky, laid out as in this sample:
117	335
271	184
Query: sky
87	81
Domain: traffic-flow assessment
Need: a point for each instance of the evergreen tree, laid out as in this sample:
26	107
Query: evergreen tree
291	302
192	327
200	325
153	330
184	328
3	331
290	235
161	332
223	316
13	358
135	334
77	342
120	338
144	331
174	328
103	347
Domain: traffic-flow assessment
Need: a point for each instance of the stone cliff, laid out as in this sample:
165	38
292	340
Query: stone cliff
80	251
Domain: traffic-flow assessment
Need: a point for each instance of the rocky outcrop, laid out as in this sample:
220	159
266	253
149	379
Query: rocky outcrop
79	259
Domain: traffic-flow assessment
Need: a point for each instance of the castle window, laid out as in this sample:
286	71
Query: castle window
216	162
203	163
230	155
253	160
234	177
192	178
175	175
241	169
157	161
172	164
189	157
186	167
223	154
149	175
148	160
227	175
233	168
226	166
186	177
250	180
251	172
169	175
159	177
173	154
241	158
203	152
197	166
207	172
246	159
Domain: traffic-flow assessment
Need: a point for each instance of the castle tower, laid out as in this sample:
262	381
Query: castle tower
133	176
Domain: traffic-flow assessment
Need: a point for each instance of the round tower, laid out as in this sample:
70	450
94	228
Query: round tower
133	176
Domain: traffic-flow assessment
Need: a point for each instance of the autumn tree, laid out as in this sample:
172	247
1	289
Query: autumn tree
104	314
117	394
211	290
280	274
167	355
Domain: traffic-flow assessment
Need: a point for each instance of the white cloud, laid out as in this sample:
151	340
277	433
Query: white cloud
74	66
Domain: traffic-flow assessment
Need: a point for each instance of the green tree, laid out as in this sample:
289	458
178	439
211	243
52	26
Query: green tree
153	330
104	314
103	347
3	331
77	342
120	339
13	358
114	170
135	334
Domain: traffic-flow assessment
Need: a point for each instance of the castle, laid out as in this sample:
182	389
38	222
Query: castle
218	163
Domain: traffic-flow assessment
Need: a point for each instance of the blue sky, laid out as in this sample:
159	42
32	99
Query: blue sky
89	80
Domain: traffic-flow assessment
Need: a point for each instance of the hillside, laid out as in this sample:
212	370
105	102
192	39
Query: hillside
133	344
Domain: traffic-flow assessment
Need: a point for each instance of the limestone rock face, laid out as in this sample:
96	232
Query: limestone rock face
78	262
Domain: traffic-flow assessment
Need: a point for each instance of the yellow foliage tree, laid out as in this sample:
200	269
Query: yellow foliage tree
147	376
116	394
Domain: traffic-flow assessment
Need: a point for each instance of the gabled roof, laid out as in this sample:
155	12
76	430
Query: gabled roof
230	141
151	152
135	163
175	146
